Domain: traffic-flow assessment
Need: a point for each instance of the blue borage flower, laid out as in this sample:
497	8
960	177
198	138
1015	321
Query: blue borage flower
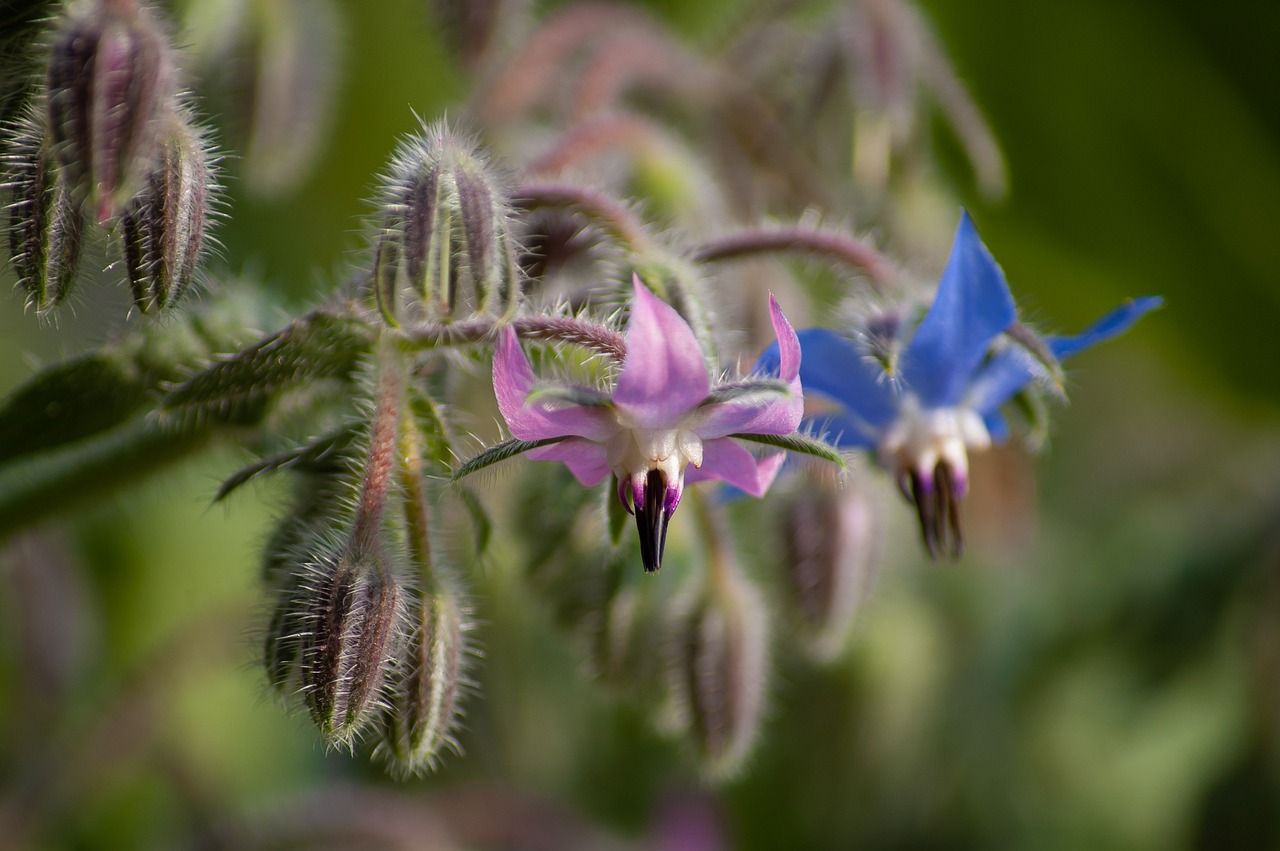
944	396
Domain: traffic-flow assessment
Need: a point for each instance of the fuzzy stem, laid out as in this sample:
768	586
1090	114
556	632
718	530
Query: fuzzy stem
382	449
416	516
711	524
615	217
557	329
879	270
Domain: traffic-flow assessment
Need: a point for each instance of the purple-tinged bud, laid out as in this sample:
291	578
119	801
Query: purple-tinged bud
45	225
425	698
353	621
164	224
111	83
720	670
446	211
833	553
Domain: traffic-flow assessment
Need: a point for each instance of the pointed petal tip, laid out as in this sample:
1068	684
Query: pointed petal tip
788	346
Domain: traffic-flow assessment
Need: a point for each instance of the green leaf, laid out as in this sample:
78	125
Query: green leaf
68	402
797	443
501	452
326	343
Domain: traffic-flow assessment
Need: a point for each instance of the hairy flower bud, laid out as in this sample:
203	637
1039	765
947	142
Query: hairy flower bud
164	224
353	614
833	538
425	705
445	233
45	226
720	670
110	83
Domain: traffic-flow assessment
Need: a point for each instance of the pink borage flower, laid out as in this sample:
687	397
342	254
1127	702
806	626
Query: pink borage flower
664	425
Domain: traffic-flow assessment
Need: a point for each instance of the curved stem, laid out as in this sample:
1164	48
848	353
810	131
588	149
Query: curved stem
615	217
556	329
383	448
879	270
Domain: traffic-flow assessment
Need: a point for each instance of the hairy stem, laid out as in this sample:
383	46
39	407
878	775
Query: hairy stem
879	270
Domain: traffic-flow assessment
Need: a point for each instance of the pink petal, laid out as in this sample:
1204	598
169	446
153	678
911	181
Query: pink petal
664	376
788	343
776	417
512	381
586	460
726	461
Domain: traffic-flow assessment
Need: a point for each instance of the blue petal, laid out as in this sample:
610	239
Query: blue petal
997	426
972	307
1013	368
1113	324
834	366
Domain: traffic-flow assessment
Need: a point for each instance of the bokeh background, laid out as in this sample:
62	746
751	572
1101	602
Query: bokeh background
1102	670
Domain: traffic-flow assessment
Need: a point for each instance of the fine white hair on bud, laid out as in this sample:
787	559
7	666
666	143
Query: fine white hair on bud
164	225
445	243
353	620
720	667
111	83
44	224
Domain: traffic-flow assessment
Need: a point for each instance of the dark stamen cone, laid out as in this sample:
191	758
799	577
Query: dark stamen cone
651	521
353	619
937	502
110	82
45	226
721	671
164	226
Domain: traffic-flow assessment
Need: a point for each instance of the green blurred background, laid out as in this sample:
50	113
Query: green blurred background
1103	671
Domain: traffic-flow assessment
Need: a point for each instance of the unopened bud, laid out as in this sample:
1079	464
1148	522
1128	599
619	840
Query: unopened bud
353	621
110	82
720	670
424	711
833	542
446	214
44	223
164	225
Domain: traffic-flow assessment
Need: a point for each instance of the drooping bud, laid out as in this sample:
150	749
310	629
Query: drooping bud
720	670
425	697
164	224
833	538
352	624
110	84
445	216
44	223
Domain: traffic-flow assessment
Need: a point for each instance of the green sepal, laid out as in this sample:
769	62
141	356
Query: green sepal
480	522
326	343
501	452
328	448
584	397
798	443
1035	345
1030	404
616	512
433	430
748	390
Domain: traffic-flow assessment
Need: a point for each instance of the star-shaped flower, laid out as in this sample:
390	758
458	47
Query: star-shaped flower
950	379
663	425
